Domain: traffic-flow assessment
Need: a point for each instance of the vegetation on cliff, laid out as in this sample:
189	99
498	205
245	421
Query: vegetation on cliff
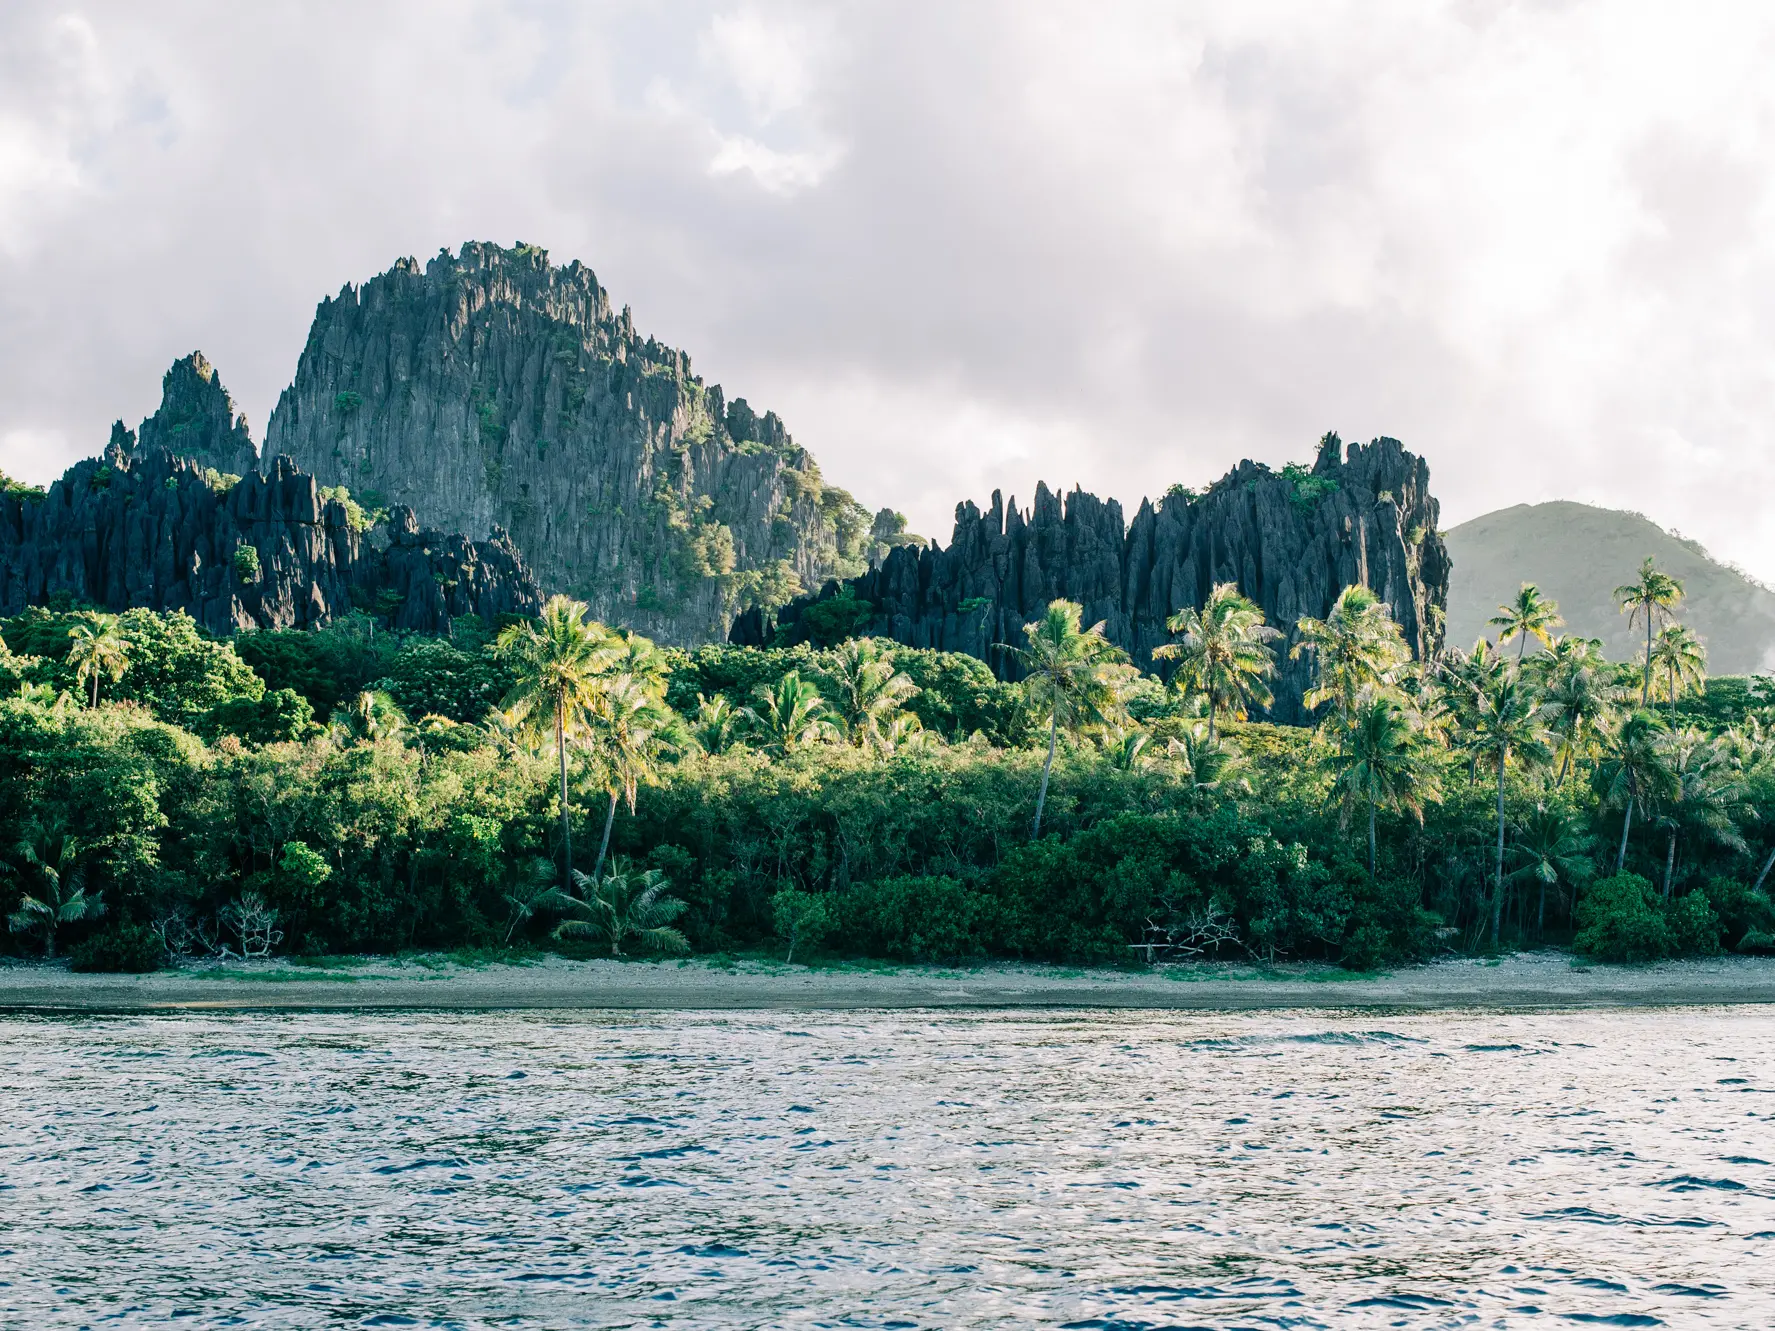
344	789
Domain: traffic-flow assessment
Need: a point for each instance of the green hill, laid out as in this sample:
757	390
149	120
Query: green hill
1578	555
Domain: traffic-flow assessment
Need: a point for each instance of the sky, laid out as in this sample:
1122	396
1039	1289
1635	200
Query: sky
959	246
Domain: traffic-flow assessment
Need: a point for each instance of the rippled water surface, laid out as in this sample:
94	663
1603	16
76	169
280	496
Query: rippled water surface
1110	1170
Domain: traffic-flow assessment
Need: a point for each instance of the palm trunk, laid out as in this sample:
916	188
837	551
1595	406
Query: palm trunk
1626	822
1767	865
1645	690
1211	710
1041	798
1565	765
604	845
95	690
1669	863
1497	905
1371	838
1541	914
566	826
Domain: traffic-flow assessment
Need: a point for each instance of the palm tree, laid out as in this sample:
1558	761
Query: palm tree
59	896
558	660
624	904
1208	766
98	649
1467	679
1356	646
1071	673
792	715
1380	762
1652	598
1508	724
1551	846
1530	615
626	720
1704	793
1224	653
1678	653
371	715
1576	699
716	724
870	692
1632	772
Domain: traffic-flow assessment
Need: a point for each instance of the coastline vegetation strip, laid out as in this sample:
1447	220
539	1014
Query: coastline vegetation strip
557	786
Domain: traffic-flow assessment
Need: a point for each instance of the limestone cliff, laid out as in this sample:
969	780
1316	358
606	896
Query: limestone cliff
493	387
1291	540
145	528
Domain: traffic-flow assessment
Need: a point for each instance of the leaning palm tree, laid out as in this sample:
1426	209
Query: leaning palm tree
624	904
98	648
1653	598
790	715
1631	772
627	722
1224	653
869	693
1530	615
558	660
1381	763
58	895
1356	646
1677	654
1072	674
1508	725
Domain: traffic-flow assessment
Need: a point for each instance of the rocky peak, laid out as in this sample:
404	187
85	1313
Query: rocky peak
492	387
1291	541
197	419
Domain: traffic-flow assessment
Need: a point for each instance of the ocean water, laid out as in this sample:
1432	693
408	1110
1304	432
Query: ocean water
943	1170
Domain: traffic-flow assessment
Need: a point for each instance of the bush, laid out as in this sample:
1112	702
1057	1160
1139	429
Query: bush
1619	920
246	564
916	919
124	949
1694	928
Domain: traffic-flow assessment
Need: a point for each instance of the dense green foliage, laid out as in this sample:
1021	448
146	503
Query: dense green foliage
349	791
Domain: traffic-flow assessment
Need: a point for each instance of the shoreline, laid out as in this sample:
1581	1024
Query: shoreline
1522	981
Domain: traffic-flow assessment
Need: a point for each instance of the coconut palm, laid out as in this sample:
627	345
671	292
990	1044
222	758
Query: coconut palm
558	660
1216	765
1704	795
1508	725
869	693
55	893
1654	599
1631	772
1355	647
716	725
98	648
626	722
1381	763
1467	679
1677	655
624	904
790	715
1576	699
1224	653
369	715
1075	675
1551	847
1530	615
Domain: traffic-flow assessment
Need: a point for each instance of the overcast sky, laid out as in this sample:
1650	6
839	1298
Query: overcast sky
959	245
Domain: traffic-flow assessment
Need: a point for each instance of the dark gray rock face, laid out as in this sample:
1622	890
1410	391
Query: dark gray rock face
493	387
1291	541
154	530
197	419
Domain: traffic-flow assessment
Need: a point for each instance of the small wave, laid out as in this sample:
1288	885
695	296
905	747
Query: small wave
1692	1183
1614	1319
1691	1291
449	1162
1410	1302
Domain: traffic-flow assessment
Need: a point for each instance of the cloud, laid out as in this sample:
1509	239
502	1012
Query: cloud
959	246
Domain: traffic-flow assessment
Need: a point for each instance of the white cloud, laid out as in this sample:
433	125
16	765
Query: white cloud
960	246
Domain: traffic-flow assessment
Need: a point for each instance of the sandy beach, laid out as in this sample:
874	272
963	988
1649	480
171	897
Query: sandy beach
1523	981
